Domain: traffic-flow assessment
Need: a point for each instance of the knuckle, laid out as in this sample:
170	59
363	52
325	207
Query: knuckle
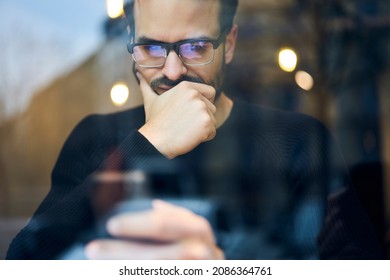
213	109
194	94
201	253
205	120
203	227
211	135
220	255
201	106
213	91
184	84
195	250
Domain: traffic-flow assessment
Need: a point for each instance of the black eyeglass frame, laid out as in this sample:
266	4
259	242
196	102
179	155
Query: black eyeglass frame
176	47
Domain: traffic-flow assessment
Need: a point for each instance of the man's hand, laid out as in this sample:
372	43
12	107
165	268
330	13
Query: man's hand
179	119
165	232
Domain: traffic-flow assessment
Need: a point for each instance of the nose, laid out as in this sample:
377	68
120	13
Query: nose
173	68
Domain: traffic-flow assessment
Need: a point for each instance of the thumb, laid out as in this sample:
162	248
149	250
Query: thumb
147	92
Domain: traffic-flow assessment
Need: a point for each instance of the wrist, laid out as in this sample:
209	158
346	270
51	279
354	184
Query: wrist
156	140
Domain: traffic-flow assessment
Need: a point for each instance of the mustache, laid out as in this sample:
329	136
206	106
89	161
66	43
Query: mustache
164	81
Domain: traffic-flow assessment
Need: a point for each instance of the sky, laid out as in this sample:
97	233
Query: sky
42	40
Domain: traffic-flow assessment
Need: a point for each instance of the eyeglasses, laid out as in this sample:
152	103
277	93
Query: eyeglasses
192	52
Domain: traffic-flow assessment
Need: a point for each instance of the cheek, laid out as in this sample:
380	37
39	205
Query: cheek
149	73
209	72
198	73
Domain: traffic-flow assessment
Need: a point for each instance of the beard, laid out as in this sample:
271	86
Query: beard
163	81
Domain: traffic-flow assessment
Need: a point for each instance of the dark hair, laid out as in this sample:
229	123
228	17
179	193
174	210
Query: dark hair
226	15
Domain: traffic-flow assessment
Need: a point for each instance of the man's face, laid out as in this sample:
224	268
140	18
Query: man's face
171	21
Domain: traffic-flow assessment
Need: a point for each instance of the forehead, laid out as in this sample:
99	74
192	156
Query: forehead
173	20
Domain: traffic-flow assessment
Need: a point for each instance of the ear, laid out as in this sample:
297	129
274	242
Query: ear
230	44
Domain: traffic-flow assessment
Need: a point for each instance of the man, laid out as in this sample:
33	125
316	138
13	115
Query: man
264	179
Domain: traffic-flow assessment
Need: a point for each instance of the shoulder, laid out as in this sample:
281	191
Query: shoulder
103	129
293	143
94	137
290	137
130	117
274	120
117	123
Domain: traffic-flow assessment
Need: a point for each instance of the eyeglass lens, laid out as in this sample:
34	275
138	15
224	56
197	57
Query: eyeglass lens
192	53
149	55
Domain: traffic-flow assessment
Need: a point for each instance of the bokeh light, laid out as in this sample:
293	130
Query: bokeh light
119	94
304	80
287	59
114	8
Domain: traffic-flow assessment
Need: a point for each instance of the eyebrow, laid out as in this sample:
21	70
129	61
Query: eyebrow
144	39
147	40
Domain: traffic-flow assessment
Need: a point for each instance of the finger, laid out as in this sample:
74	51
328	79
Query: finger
206	90
211	135
162	227
166	206
147	92
119	249
210	105
163	223
212	127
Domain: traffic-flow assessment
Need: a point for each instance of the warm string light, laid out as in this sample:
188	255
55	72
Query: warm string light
119	94
114	8
304	80
287	59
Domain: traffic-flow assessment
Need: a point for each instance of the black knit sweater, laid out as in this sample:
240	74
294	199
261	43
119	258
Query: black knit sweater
274	181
